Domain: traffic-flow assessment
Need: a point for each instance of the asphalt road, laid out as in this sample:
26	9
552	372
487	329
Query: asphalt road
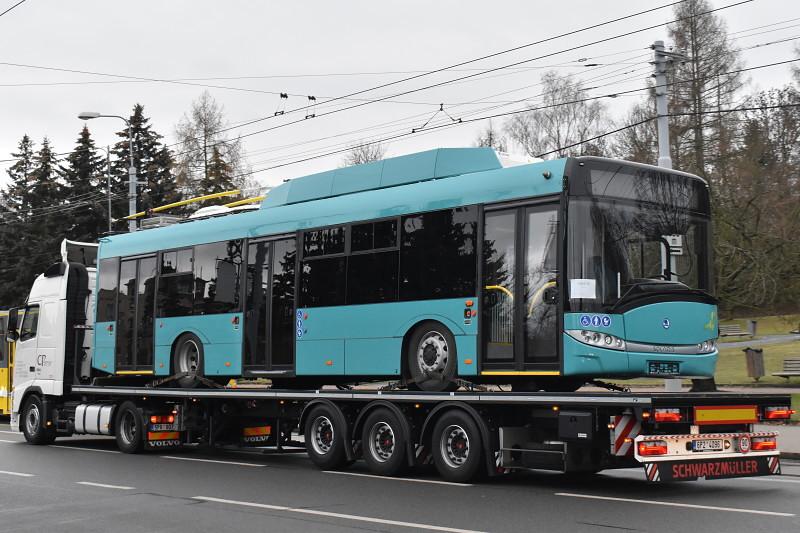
84	484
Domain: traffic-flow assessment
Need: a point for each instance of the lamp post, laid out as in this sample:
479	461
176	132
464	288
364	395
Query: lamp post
89	115
107	150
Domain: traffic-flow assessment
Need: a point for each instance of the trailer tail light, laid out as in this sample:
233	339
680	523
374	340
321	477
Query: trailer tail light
778	413
763	444
653	447
162	419
667	415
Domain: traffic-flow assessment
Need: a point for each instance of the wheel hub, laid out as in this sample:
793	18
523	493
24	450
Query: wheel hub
322	435
432	353
33	419
381	442
455	446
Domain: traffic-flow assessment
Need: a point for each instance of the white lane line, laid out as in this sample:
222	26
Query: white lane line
769	479
104	486
432	481
210	461
673	504
356	518
82	449
12	432
20	474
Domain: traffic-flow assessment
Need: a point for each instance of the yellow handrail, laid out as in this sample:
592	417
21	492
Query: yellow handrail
500	288
246	201
184	202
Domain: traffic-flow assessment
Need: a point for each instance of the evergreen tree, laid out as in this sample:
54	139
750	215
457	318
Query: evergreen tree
85	183
219	176
153	163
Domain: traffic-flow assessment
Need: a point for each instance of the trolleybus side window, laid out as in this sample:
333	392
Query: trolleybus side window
373	264
437	254
107	290
216	271
176	284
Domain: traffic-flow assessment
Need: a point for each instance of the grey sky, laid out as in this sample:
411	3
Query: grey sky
171	39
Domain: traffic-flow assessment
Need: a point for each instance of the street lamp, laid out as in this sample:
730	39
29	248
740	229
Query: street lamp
89	115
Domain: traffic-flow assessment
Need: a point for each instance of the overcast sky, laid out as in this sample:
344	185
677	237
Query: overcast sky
327	49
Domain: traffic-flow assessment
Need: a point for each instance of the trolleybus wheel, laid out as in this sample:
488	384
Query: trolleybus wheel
188	358
33	422
324	438
431	358
384	444
129	428
457	447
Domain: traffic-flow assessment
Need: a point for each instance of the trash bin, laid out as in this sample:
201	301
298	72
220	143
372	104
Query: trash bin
755	362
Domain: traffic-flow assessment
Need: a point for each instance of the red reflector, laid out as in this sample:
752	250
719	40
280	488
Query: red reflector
668	415
656	447
773	413
759	445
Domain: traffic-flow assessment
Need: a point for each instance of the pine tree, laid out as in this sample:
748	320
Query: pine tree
153	163
219	176
85	184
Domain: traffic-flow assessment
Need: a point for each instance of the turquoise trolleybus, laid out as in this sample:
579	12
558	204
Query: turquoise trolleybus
428	268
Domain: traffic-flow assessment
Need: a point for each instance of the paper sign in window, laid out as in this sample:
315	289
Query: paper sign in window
582	288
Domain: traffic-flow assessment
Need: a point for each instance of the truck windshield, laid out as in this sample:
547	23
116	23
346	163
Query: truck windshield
632	228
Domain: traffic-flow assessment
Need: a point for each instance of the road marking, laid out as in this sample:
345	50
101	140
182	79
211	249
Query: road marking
210	461
11	441
82	449
356	518
432	481
104	486
673	504
12	432
20	474
769	480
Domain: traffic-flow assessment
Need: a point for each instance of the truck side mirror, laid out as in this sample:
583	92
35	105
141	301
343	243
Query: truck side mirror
11	331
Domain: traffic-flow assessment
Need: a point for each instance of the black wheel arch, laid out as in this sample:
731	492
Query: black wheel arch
486	433
341	419
32	391
404	424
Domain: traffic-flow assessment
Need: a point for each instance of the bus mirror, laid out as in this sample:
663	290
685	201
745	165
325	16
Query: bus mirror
11	331
550	295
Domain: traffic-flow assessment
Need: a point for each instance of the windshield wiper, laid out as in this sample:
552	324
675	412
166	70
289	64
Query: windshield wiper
638	284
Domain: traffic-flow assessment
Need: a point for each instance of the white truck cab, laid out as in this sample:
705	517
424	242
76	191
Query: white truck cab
49	349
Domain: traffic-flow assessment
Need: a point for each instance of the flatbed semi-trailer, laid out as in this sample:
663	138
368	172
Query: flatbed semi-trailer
671	436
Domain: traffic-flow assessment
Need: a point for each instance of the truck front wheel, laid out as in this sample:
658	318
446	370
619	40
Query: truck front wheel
34	422
129	428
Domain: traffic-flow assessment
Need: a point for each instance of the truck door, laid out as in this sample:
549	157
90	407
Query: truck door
519	321
28	360
269	316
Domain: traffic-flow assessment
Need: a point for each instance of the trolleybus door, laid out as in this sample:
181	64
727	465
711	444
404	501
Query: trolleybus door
518	317
135	314
270	315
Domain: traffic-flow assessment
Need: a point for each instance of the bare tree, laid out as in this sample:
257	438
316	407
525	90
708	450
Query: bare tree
204	147
492	138
364	153
563	118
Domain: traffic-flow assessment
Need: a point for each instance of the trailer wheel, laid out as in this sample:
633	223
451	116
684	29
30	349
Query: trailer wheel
431	358
33	422
129	428
188	358
324	438
383	443
457	448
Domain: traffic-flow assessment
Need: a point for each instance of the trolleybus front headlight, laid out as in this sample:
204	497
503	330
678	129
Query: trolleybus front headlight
594	338
707	346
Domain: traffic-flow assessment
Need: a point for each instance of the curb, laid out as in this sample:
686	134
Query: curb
790	455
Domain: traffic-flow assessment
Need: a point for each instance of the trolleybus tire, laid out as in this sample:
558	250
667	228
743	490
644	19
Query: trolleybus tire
33	422
457	447
188	357
129	428
383	443
324	438
431	358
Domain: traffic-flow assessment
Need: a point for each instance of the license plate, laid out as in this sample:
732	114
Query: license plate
709	445
162	427
663	368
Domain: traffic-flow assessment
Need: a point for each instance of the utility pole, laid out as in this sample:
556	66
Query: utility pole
662	59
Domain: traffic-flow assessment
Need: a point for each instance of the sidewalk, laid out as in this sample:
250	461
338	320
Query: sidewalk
788	438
